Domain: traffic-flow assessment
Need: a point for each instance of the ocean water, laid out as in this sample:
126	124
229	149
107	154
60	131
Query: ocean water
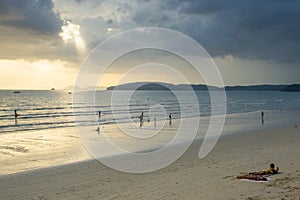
55	109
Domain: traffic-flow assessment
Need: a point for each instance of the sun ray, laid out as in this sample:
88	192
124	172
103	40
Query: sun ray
70	32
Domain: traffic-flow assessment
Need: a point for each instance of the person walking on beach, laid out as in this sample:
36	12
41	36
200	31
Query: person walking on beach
262	117
98	130
141	119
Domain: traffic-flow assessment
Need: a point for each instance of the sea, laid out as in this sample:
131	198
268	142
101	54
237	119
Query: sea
53	109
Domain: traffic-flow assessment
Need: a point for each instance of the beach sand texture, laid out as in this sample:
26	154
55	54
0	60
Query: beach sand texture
213	177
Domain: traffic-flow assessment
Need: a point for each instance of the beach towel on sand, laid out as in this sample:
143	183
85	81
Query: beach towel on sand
268	179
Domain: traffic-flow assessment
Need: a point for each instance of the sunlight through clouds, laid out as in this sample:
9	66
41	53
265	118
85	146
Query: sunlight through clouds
70	32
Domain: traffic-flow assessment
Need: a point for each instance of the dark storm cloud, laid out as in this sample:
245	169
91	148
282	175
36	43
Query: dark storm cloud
110	21
253	29
37	15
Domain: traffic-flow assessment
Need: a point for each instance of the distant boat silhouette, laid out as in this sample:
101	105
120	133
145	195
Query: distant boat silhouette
52	88
17	92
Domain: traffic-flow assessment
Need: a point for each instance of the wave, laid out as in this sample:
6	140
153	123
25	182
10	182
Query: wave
43	110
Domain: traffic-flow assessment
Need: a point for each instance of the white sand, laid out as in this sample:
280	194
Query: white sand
188	178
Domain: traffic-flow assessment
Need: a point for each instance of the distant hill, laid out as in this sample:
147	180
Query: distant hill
201	87
255	88
142	86
160	86
292	88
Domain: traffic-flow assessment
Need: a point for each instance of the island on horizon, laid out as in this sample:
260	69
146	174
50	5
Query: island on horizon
201	87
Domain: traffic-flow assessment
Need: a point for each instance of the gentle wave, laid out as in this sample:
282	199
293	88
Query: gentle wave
46	109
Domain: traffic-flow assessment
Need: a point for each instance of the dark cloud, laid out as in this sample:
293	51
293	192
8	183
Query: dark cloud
37	15
253	29
110	21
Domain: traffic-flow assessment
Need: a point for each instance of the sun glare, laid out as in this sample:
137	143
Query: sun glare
71	33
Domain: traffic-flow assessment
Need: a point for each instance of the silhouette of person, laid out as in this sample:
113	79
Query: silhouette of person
16	114
99	113
141	119
262	117
170	118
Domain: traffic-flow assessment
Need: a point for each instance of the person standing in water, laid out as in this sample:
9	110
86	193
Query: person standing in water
99	113
262	117
141	119
170	118
16	114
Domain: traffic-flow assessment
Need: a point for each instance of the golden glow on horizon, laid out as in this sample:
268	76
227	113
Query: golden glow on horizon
109	79
46	74
41	74
150	72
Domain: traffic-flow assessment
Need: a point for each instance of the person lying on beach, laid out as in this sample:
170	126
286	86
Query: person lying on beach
253	177
271	170
261	175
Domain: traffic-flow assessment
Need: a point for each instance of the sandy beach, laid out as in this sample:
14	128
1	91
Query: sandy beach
213	177
149	100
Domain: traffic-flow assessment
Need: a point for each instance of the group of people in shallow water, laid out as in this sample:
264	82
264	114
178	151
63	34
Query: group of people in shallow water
260	175
142	119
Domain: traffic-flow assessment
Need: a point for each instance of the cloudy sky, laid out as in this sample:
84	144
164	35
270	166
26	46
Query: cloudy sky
44	42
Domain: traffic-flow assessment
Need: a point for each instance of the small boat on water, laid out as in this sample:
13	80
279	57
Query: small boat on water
16	92
52	88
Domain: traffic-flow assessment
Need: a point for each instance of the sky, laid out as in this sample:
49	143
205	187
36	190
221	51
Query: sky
44	42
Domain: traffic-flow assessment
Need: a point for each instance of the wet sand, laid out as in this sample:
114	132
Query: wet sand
213	177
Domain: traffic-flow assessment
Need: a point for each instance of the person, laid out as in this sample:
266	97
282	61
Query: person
99	113
271	170
141	119
170	118
16	114
253	177
260	175
262	117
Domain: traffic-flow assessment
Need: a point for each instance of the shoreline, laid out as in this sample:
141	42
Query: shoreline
212	177
30	150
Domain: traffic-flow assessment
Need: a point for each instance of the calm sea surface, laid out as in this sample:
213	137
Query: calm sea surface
55	109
